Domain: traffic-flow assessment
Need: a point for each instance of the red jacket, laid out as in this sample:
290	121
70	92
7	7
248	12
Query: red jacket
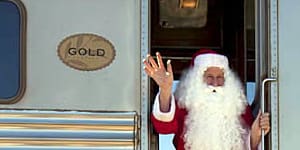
176	125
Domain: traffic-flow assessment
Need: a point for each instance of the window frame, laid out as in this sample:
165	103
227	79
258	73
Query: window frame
22	52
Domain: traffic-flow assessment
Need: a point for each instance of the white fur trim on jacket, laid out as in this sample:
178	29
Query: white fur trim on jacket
163	116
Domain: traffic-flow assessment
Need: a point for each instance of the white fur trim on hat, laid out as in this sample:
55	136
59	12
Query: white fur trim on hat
211	60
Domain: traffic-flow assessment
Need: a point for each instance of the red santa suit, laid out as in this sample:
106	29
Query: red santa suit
199	121
176	125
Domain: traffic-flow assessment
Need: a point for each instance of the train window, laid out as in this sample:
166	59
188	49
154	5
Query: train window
12	58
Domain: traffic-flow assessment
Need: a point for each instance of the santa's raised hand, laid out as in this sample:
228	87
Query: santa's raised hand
162	76
158	72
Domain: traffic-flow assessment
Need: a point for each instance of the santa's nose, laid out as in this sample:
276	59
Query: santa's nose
214	83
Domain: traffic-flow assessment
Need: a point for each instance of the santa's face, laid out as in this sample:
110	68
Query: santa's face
214	108
214	76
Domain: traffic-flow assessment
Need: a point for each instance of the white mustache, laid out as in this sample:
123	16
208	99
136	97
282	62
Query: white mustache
214	89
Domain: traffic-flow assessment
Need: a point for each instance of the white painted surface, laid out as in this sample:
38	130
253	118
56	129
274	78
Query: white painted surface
53	85
289	74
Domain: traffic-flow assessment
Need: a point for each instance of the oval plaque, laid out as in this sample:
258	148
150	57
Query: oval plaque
86	52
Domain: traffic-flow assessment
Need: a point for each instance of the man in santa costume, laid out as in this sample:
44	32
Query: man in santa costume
209	110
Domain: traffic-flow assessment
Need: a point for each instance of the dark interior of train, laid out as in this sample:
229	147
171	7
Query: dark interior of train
224	30
181	27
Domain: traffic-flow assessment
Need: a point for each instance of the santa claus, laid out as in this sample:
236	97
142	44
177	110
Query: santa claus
208	110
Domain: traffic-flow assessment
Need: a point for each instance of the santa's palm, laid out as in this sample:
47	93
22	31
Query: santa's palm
157	71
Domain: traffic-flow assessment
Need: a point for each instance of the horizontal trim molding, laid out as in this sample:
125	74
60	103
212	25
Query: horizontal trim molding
30	129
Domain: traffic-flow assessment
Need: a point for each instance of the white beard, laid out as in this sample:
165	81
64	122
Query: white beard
213	120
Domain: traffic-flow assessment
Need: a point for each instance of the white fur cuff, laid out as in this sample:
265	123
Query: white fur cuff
162	116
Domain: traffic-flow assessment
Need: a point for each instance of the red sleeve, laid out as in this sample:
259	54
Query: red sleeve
173	126
247	116
164	127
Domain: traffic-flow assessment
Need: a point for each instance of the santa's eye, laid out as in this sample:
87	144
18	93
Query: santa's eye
209	78
220	78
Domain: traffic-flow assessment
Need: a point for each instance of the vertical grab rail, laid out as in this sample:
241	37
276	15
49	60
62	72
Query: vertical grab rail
262	107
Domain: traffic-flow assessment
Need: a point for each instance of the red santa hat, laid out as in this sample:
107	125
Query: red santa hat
205	58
